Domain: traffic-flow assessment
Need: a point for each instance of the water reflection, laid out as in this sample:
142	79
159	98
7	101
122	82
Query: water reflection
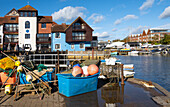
84	100
112	94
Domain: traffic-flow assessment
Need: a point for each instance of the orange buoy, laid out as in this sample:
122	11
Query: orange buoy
77	71
92	69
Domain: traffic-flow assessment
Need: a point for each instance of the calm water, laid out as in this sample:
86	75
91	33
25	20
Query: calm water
151	68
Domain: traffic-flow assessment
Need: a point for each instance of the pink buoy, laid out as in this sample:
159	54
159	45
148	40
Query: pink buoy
77	71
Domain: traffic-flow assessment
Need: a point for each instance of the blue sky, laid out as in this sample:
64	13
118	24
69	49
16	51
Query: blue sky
110	19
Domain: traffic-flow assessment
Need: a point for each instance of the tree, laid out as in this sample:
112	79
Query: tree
166	39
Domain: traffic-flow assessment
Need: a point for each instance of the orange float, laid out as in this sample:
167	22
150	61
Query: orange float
92	69
77	71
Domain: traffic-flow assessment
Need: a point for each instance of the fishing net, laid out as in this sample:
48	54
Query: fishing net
7	63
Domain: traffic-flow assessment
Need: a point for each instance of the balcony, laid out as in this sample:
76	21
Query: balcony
41	40
79	28
10	29
11	40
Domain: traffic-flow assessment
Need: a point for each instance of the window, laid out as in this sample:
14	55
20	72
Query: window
57	35
78	36
25	14
27	36
81	45
72	46
43	35
21	14
11	27
13	18
29	14
33	14
43	25
57	46
27	24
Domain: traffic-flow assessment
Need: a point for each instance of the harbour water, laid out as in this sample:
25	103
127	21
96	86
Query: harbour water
154	68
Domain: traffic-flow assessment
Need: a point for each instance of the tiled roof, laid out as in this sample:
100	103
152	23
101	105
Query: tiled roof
45	19
59	28
1	20
27	8
7	19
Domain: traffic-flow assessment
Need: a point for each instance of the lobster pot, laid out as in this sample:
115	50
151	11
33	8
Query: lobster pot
71	86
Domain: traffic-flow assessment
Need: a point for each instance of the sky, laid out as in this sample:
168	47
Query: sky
110	19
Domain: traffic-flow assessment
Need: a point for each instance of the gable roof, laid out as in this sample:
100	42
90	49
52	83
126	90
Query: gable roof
76	21
46	19
27	8
12	14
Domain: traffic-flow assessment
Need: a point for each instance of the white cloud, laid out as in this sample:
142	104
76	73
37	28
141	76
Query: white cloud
114	29
139	29
147	4
166	13
69	13
97	18
127	17
102	35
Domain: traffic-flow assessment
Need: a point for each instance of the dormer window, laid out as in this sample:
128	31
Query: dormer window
13	18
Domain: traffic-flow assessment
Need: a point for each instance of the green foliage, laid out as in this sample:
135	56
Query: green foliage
166	39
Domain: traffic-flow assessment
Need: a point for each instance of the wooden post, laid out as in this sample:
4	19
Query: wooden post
81	55
96	54
58	61
74	54
122	94
122	77
92	53
56	67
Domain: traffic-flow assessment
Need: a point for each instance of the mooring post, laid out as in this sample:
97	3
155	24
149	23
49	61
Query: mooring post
58	61
55	78
122	77
122	94
92	53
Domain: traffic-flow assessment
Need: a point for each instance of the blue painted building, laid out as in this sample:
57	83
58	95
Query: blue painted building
76	36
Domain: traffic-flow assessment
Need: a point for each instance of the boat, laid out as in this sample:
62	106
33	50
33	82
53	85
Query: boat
128	70
156	51
133	53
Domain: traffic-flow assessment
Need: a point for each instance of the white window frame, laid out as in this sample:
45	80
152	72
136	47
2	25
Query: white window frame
83	46
59	45
72	46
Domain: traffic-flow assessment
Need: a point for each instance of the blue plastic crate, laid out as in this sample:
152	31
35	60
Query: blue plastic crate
47	76
22	79
70	86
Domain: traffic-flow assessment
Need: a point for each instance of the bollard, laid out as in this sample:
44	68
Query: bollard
122	77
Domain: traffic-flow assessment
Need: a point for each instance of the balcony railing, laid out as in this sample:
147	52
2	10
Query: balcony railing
11	40
10	29
43	39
